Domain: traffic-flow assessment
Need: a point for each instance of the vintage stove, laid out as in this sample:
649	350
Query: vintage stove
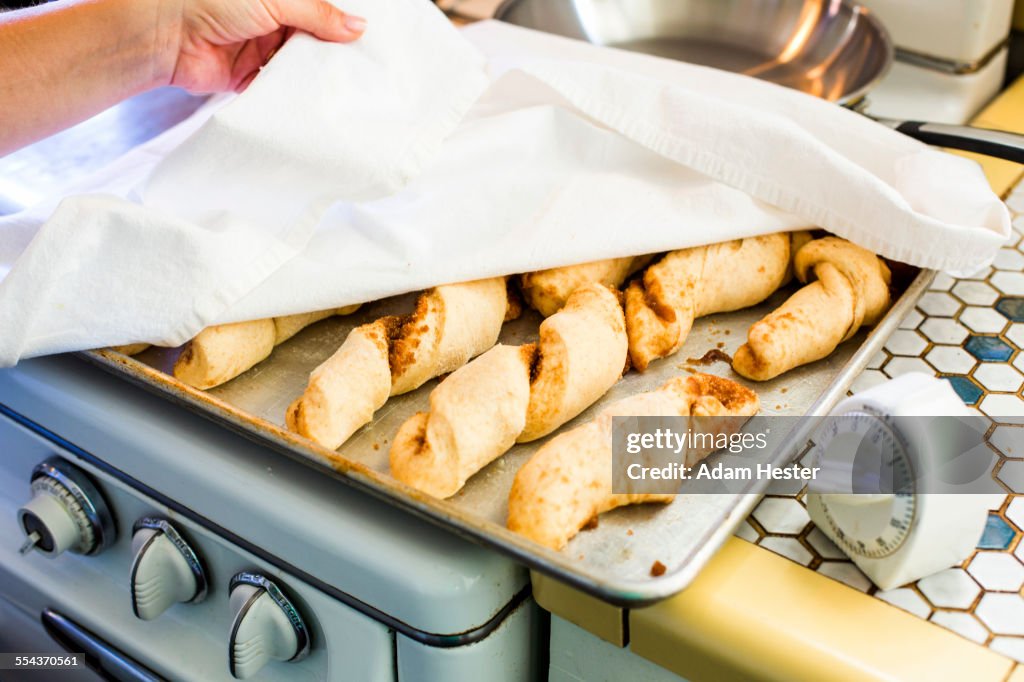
164	546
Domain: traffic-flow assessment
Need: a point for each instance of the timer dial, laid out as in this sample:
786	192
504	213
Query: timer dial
862	451
66	512
872	451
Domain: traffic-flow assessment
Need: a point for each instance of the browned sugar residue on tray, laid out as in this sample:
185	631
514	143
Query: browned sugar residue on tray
713	355
657	569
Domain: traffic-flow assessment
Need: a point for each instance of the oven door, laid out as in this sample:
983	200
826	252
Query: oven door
23	632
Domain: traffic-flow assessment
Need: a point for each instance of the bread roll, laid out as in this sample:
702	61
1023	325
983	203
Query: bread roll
357	377
691	283
131	348
450	325
220	353
290	325
581	354
475	416
850	289
546	291
513	394
568	481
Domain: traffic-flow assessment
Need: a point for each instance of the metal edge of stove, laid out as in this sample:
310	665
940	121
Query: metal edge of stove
621	592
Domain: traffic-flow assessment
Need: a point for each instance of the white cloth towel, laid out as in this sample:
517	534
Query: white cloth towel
418	156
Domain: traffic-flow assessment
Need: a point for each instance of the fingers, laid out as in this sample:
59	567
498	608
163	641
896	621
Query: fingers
246	66
254	56
321	18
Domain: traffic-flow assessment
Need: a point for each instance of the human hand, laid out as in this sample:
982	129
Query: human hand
224	43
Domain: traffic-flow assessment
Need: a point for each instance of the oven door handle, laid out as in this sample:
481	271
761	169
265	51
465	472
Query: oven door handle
107	661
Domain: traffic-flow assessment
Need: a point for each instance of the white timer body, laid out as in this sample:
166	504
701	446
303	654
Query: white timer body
899	537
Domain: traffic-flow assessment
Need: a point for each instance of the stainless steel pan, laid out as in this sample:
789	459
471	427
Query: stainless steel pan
834	49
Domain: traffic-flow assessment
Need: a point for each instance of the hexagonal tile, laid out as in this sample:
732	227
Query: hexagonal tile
1011	307
942	282
975	293
1002	407
845	572
877	360
787	547
912	319
1009	440
982	320
988	348
951	588
901	365
1003	614
999	377
944	330
1011	283
906	599
781	515
938	304
905	342
1009	258
1015	202
997	571
995	502
1018	221
1015	512
964	624
998	533
825	548
1012	474
747	532
869	378
1009	646
950	359
968	391
1015	335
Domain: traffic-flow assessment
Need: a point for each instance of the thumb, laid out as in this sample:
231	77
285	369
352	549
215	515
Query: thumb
321	18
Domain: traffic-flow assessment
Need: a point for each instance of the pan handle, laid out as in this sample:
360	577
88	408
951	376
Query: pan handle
994	143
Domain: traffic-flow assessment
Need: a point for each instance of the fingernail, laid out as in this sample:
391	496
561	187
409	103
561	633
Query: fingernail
355	24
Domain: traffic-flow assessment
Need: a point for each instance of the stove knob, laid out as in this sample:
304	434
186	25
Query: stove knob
266	626
66	512
165	569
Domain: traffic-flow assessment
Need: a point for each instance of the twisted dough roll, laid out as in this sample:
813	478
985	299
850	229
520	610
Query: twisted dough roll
394	355
513	393
546	291
222	352
691	283
851	290
568	482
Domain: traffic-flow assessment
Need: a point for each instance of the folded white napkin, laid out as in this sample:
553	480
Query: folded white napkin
348	173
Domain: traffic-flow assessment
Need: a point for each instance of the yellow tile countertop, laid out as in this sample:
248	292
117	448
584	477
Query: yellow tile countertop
809	614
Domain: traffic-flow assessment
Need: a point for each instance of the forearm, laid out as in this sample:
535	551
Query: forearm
64	62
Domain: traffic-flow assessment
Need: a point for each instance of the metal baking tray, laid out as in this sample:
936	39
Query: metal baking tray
613	561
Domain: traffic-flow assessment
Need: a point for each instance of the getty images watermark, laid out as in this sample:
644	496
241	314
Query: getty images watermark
848	454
